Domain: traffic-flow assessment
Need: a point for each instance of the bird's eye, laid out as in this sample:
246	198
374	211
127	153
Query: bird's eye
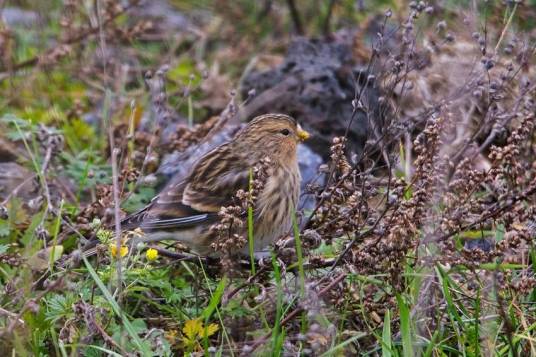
285	132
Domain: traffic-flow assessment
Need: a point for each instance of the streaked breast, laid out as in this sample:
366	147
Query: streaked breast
275	206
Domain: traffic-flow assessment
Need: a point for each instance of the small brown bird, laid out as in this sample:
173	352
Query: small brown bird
186	211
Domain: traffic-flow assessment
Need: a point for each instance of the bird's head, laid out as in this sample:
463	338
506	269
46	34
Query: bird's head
274	135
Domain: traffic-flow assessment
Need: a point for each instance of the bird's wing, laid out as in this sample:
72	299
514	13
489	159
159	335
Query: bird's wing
215	180
166	211
212	184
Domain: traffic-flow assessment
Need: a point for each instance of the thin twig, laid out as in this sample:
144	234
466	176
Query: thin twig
108	339
18	318
501	208
46	191
327	21
299	309
506	27
295	16
117	212
70	40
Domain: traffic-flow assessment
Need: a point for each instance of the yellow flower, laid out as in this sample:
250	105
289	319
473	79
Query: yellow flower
194	330
151	254
122	251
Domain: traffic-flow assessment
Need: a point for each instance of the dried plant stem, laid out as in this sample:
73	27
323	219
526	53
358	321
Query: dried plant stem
70	40
298	310
506	27
18	318
16	190
295	16
501	208
46	191
107	337
327	22
117	213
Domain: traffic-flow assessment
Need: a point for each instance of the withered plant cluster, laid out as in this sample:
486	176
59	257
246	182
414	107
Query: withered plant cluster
229	238
77	28
448	183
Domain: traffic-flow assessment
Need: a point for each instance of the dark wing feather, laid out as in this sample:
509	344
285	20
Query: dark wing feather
215	180
174	223
213	183
165	211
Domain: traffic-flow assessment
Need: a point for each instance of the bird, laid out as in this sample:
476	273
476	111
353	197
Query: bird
186	210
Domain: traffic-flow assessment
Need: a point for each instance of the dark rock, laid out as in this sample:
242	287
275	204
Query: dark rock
316	84
165	18
8	151
309	162
16	180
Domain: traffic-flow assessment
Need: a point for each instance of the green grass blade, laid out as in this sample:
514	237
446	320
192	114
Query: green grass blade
445	283
190	112
405	327
277	334
55	238
431	345
30	152
476	324
212	306
98	348
251	242
117	310
224	330
215	298
387	344
452	310
332	351
299	253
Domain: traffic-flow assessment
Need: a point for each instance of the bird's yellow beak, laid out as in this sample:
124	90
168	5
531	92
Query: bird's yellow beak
302	134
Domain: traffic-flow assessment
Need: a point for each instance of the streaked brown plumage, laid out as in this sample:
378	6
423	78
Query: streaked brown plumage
185	211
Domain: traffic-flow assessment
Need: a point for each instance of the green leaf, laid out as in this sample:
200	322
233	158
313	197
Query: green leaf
59	307
139	326
42	259
499	233
29	235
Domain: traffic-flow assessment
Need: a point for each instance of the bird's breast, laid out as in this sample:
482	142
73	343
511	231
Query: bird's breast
276	205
